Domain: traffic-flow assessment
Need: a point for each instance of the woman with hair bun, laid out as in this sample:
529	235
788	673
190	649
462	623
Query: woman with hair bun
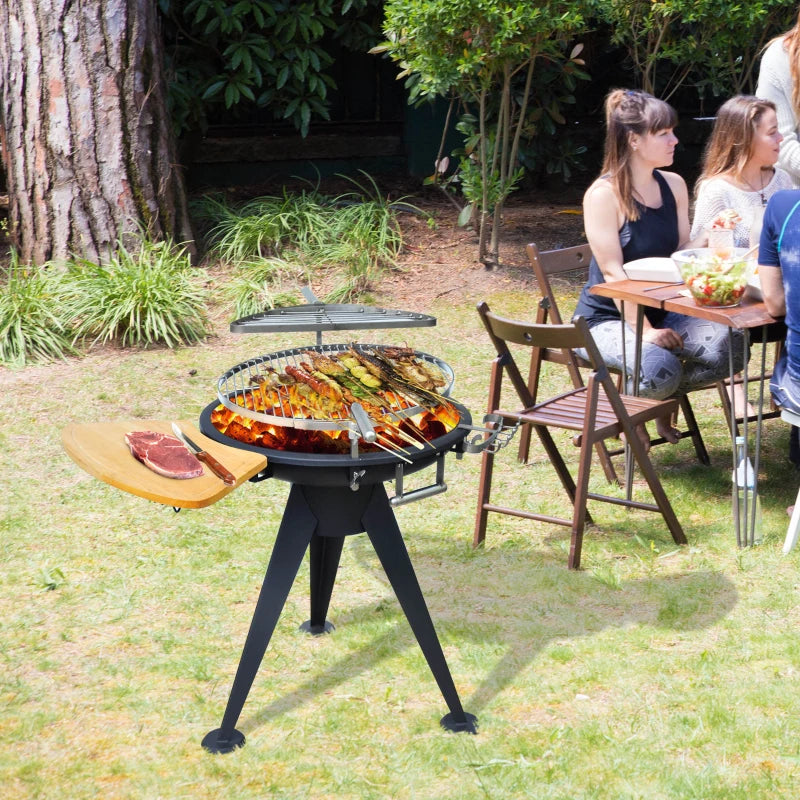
636	210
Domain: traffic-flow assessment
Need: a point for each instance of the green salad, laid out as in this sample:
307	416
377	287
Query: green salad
715	281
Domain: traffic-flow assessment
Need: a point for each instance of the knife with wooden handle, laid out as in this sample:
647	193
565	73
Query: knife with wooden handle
223	474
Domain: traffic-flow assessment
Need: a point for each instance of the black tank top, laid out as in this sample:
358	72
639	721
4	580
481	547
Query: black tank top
655	233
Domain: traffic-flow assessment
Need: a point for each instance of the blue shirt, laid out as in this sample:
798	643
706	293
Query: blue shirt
780	247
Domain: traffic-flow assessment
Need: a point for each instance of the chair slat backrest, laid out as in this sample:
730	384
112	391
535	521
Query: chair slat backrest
545	264
534	335
539	336
556	262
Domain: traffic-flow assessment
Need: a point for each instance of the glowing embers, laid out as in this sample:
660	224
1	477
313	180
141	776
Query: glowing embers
403	425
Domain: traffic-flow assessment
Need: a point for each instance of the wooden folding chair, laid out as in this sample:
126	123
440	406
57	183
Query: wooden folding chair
557	262
596	411
545	265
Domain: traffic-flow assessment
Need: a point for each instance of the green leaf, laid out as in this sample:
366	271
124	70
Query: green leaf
213	90
231	95
283	76
291	108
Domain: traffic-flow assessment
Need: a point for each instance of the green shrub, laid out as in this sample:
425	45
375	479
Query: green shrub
267	226
258	285
350	238
145	297
32	322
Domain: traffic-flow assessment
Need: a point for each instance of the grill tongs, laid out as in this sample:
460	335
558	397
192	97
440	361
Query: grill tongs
492	437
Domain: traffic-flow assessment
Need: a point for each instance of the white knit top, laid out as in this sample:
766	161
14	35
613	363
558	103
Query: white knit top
775	83
716	194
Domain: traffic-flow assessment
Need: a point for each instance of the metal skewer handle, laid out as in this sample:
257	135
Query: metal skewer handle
364	423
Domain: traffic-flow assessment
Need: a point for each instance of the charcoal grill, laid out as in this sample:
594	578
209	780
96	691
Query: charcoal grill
333	496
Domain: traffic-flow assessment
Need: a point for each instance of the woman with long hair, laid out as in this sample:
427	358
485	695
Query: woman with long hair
739	174
635	210
779	81
739	169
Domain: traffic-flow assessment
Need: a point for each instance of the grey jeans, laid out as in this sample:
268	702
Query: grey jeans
664	373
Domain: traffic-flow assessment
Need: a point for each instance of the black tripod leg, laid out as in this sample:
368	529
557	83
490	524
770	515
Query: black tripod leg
384	533
297	528
325	554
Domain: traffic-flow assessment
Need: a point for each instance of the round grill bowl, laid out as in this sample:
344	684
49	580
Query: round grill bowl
323	469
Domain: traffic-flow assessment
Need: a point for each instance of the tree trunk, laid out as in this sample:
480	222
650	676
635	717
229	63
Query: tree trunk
86	138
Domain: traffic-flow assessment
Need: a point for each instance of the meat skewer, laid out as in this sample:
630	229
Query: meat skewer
393	448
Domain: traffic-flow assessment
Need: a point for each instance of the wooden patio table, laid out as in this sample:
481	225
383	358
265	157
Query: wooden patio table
750	314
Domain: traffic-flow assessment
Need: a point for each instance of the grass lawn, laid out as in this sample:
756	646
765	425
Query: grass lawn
654	672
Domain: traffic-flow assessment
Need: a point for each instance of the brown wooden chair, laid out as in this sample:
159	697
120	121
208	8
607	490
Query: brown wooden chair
570	260
596	412
557	262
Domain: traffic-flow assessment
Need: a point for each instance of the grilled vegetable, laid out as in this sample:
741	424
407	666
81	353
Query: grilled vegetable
326	364
324	388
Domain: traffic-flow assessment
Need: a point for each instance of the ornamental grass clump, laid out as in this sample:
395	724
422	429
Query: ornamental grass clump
33	326
141	297
345	241
266	227
261	284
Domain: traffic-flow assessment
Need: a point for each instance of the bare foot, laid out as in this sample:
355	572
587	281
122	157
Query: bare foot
644	437
665	430
739	400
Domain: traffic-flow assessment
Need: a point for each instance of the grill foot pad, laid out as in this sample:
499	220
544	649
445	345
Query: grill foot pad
467	725
215	742
316	630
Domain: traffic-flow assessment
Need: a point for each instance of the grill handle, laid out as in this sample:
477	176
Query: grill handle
401	498
363	422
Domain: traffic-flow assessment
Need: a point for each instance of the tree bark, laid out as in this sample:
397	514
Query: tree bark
86	137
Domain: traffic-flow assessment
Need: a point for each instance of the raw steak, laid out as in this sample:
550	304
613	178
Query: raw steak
164	454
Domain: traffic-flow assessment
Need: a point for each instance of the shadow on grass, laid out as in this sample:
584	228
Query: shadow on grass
519	615
583	606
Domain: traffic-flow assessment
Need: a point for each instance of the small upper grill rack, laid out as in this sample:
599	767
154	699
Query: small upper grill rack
320	317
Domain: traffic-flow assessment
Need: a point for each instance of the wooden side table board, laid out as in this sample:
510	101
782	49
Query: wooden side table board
100	449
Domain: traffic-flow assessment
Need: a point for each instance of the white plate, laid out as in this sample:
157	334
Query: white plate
653	269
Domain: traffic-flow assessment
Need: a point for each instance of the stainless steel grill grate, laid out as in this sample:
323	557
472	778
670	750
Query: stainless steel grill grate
246	381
